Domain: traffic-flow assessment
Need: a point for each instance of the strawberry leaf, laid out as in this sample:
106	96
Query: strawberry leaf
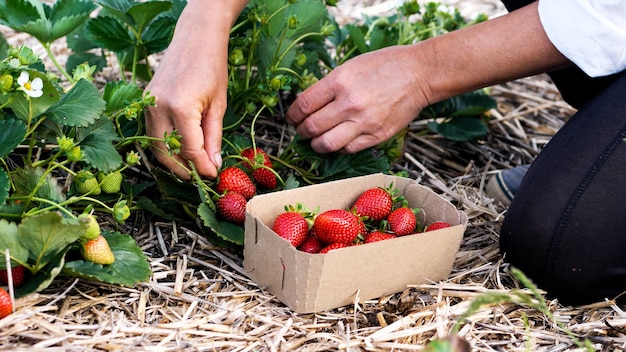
43	22
5	185
47	234
118	94
144	12
10	240
108	33
44	277
12	132
460	128
226	230
81	106
96	142
130	267
29	178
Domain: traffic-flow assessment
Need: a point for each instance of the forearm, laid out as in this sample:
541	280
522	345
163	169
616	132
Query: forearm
488	53
206	24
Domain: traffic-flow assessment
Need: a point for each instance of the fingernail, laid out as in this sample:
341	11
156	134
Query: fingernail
217	158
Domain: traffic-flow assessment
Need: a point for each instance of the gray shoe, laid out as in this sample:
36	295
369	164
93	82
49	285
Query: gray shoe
504	184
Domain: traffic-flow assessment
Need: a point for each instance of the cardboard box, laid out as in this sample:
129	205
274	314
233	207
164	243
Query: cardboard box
315	282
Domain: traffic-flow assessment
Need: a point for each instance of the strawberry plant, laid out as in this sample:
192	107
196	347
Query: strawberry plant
58	133
71	144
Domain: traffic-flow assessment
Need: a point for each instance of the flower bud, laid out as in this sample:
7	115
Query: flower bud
132	158
66	144
75	154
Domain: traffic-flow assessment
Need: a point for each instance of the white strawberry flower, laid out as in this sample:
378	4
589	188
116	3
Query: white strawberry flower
33	88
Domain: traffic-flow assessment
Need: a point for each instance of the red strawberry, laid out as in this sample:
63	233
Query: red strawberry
337	226
232	207
252	158
18	274
6	306
437	225
402	221
263	177
234	179
374	203
293	225
332	247
310	245
376	236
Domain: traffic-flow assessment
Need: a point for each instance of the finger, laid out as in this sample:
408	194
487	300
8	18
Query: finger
212	127
193	146
310	101
336	138
320	121
156	126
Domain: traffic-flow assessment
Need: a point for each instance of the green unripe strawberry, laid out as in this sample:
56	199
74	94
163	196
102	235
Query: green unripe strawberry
93	230
110	183
97	251
86	182
75	154
121	211
6	83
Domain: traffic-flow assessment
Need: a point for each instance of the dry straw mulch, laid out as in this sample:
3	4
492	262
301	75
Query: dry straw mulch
199	298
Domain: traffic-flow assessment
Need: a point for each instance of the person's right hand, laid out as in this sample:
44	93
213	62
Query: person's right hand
190	87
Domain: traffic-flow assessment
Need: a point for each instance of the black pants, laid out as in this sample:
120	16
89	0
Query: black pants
566	227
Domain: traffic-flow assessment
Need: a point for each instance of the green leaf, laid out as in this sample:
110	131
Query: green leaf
171	187
81	106
116	7
130	268
158	35
44	277
144	12
28	178
118	94
96	142
472	104
78	58
108	33
43	22
337	166
10	240
12	133
226	230
164	209
5	185
358	38
47	234
460	128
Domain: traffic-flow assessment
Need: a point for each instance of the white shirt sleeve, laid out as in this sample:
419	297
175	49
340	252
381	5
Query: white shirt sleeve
591	34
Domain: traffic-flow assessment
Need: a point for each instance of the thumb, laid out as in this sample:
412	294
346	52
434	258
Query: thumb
212	127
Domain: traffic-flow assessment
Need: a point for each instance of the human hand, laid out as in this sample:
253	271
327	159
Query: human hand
190	87
191	99
361	103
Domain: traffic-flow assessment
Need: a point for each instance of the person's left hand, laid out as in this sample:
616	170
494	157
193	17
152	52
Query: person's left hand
361	103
